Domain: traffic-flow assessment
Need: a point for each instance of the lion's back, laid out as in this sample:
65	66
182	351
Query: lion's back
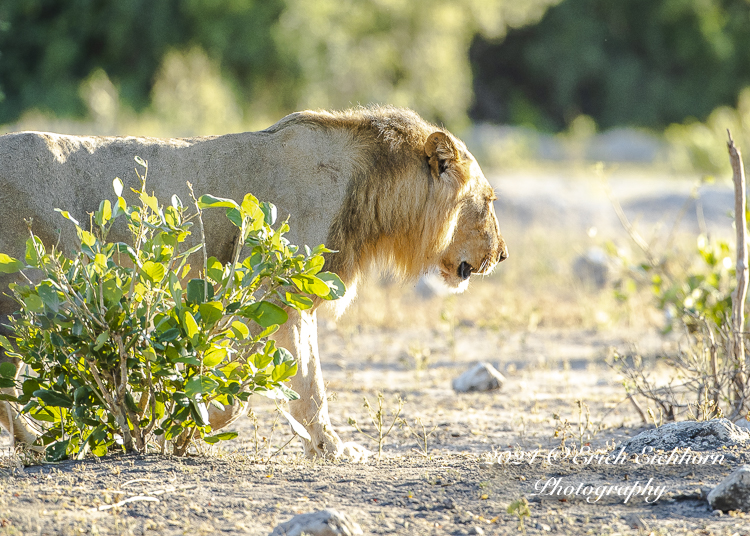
303	170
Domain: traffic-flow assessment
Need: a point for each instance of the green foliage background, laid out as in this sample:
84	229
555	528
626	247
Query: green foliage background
208	66
644	63
276	55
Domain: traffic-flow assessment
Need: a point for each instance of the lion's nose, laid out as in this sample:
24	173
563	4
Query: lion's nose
503	253
464	270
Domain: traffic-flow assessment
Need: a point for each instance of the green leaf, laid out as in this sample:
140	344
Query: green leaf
57	451
240	330
199	412
154	271
315	264
310	284
120	207
32	256
54	398
86	238
214	356
196	291
336	286
190	325
235	216
283	371
112	292
117	185
5	343
188	360
265	313
29	386
298	301
223	436
269	212
211	312
200	384
173	432
181	399
6	383
214	269
209	201
169	335
56	340
101	340
140	161
150	201
261	361
267	332
49	296
34	303
9	265
104	214
282	355
65	214
251	210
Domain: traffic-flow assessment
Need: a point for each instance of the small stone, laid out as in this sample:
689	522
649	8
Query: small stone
635	522
480	377
593	268
717	513
328	522
476	530
544	527
732	493
450	504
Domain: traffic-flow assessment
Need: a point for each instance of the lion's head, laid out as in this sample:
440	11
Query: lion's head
471	237
418	203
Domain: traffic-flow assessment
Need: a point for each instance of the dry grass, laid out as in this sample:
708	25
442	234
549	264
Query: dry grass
535	288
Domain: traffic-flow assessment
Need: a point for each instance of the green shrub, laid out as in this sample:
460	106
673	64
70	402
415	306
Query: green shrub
122	349
703	290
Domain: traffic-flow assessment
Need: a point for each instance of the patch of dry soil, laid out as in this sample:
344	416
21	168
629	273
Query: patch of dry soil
458	487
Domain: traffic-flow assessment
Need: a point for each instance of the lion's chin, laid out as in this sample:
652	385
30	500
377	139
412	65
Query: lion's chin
453	283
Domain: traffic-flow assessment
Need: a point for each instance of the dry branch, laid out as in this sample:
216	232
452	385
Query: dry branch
740	294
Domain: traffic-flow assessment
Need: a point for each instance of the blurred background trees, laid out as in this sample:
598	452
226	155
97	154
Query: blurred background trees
209	66
645	63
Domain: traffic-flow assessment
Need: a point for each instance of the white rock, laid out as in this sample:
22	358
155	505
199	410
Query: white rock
733	493
699	436
593	268
328	522
481	377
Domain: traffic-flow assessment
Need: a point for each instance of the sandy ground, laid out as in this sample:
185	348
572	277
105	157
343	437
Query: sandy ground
483	450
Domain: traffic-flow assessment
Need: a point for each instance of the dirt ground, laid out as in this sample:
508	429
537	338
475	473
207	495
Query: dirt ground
482	451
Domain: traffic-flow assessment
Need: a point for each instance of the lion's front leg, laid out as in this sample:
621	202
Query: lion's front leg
10	419
300	336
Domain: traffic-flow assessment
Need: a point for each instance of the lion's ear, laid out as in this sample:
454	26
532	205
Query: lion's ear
441	153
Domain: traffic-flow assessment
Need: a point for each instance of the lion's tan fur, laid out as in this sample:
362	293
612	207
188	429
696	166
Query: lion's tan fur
377	185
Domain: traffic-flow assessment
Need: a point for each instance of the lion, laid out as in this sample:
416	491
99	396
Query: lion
376	185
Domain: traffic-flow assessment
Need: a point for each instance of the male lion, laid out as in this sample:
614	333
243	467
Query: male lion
375	184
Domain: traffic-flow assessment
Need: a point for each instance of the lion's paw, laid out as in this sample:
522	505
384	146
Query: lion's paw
327	444
354	452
